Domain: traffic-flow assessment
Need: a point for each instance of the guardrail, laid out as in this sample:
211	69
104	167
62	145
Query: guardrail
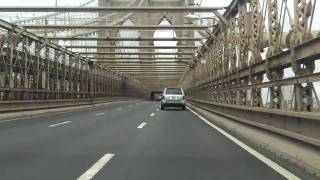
302	126
11	106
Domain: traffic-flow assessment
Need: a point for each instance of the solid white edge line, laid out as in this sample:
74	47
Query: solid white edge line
96	167
152	114
142	125
284	172
20	118
53	125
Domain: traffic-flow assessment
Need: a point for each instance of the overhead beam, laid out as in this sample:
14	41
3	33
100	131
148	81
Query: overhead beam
166	82
118	27
131	47
141	58
144	68
143	62
155	73
150	70
159	80
137	53
108	9
142	79
157	77
123	39
148	66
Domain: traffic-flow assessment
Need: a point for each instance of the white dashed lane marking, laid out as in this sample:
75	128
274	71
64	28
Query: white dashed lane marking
142	125
99	114
94	169
152	114
58	124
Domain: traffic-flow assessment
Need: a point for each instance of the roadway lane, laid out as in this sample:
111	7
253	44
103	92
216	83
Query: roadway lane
64	152
137	143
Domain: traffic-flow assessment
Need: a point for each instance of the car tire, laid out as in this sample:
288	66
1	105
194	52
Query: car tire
184	108
162	107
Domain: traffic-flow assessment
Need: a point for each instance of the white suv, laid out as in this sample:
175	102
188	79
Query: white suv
173	97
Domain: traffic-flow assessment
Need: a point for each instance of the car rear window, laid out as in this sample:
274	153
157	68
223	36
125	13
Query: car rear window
176	91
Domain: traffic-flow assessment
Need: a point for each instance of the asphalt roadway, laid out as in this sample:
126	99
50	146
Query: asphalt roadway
133	141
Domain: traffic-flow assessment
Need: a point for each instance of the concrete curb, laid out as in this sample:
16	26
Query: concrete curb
11	116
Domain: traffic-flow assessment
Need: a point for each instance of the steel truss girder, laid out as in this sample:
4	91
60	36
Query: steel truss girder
32	68
131	47
107	9
306	52
122	39
137	53
118	27
141	58
142	62
148	66
234	72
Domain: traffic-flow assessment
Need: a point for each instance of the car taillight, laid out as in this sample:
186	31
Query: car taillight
162	96
184	97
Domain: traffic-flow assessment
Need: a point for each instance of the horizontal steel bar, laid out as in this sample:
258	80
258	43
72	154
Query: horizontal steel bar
161	83
165	83
167	79
123	39
148	66
144	68
138	53
140	58
143	62
131	47
146	72
158	77
107	9
281	82
152	70
120	27
155	73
